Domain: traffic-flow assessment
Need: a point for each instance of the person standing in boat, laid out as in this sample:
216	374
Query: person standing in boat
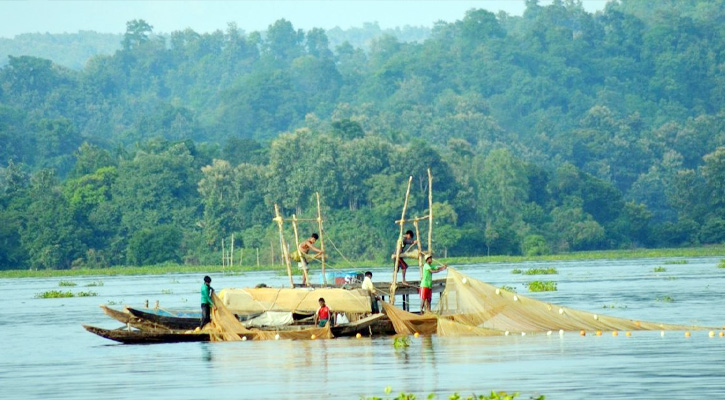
408	242
426	284
323	314
206	302
302	256
368	285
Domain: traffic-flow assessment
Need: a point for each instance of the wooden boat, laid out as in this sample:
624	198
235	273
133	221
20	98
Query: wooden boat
133	321
165	321
153	319
147	337
375	324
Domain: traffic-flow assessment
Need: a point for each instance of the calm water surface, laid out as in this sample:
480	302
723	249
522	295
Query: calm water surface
46	354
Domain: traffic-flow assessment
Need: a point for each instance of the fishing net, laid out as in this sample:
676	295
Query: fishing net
258	300
409	323
300	334
225	327
475	303
469	307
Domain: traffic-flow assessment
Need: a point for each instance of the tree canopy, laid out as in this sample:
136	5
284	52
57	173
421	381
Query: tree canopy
555	131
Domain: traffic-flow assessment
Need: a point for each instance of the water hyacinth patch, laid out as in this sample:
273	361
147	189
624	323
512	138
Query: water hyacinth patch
542	286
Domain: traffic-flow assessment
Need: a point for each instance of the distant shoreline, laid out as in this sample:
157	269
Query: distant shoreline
708	251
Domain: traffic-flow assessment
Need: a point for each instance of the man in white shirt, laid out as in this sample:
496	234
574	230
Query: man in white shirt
368	285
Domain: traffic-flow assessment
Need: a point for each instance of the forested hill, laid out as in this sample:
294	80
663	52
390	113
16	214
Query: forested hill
73	50
555	131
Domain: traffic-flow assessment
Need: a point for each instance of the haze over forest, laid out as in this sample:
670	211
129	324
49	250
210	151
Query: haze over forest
555	131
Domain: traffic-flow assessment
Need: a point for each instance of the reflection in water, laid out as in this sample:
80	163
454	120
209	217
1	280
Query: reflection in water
206	353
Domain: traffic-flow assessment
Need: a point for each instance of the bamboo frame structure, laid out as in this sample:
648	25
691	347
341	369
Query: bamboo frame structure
285	252
394	283
420	249
322	240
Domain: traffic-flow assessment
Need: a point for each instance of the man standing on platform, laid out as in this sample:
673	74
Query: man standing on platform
408	242
301	256
206	302
368	285
426	284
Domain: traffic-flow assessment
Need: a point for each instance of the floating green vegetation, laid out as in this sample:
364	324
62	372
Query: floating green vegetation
666	299
660	269
675	262
541	286
455	396
53	294
66	283
722	264
401	342
670	278
509	288
175	281
94	284
516	271
612	306
167	291
114	302
89	293
541	271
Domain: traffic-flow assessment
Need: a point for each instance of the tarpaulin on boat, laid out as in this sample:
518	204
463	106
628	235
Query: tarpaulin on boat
257	300
270	318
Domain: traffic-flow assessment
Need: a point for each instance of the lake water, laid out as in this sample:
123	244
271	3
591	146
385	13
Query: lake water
46	354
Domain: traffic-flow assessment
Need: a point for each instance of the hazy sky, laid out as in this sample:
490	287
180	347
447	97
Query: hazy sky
57	16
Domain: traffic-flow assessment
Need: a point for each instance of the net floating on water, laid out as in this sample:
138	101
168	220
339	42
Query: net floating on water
472	307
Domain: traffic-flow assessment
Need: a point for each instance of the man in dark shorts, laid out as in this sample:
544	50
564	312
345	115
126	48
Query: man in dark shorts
206	302
408	242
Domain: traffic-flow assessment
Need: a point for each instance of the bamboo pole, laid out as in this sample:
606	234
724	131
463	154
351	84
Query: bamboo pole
394	284
297	246
322	240
257	256
430	213
423	218
231	255
420	249
241	258
285	254
224	260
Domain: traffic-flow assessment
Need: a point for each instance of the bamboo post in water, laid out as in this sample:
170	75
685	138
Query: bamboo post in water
322	240
430	213
394	284
285	254
297	243
420	248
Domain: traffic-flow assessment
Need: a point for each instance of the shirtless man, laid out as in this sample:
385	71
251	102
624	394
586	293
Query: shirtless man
302	256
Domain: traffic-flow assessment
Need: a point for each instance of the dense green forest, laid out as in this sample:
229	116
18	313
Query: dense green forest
559	130
73	50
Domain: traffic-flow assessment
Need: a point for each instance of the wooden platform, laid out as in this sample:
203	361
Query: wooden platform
402	290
